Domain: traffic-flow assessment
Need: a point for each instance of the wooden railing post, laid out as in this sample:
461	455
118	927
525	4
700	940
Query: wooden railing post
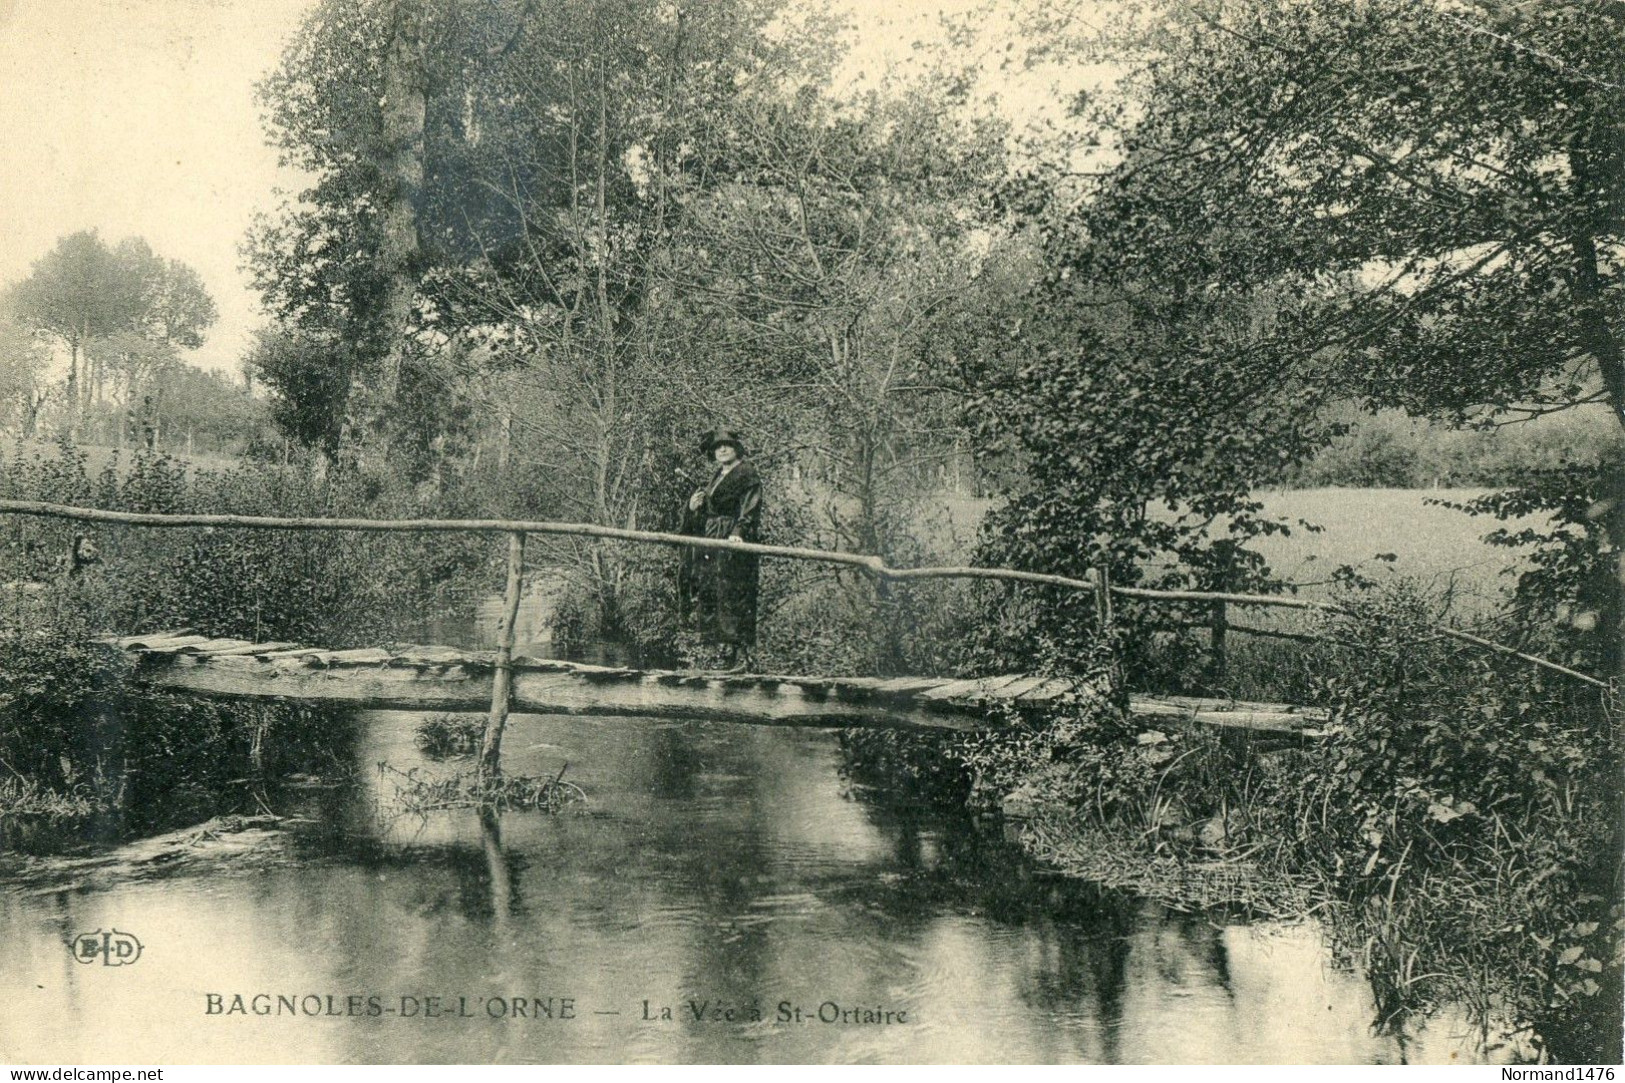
1220	624
502	680
1103	599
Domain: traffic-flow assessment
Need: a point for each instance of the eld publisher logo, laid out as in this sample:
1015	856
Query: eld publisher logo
112	948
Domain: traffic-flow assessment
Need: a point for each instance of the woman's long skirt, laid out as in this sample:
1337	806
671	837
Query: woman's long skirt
719	588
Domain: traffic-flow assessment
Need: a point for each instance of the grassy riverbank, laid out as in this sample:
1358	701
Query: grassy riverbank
88	755
1458	825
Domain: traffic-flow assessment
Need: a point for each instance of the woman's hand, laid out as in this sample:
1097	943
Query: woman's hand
696	500
735	537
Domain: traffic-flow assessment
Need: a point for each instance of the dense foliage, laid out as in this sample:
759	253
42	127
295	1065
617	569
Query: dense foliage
89	755
1467	808
1416	204
334	589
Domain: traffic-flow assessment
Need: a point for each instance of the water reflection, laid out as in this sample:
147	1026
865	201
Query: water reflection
716	869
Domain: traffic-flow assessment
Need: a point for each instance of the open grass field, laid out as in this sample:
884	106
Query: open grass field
1438	546
98	457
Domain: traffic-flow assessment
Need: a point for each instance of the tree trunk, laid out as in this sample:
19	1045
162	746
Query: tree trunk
405	105
1604	346
73	390
505	448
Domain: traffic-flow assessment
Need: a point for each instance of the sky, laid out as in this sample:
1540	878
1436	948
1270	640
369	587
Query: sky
137	118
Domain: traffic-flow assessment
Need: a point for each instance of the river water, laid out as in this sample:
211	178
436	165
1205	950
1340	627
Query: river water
714	868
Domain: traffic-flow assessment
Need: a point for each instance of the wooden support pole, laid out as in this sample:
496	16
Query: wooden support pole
1220	625
502	679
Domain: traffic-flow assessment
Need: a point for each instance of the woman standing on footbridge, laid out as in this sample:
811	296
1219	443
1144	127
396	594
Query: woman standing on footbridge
719	587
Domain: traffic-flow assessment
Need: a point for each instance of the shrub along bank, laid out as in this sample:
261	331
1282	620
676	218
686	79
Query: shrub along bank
88	755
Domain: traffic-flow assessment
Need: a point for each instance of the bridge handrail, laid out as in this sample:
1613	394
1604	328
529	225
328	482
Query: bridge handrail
873	565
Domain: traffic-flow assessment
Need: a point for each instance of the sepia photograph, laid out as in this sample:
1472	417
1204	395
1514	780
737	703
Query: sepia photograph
689	532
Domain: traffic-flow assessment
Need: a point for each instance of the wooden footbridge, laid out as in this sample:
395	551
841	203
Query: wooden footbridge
448	679
443	678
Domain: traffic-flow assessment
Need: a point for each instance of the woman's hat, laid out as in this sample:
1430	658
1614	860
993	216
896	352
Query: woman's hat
709	442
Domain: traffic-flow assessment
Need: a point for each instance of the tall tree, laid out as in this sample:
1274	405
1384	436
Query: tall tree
1429	195
82	290
434	130
74	293
457	152
23	384
136	367
835	266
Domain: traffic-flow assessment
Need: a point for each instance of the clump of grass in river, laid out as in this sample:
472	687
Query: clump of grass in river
26	799
1118	859
418	792
442	736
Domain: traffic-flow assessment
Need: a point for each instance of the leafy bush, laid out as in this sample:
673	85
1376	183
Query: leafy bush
1466	808
88	748
1567	604
906	765
324	588
441	736
1391	450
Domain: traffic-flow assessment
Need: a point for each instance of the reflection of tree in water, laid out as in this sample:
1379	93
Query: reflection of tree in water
675	765
694	870
1080	935
473	882
730	872
1078	932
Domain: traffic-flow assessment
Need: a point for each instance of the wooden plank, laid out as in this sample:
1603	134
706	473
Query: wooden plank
213	645
356	677
1265	721
167	646
363	656
1189	705
746	680
906	686
1203	703
419	656
252	649
231	661
540	665
951	690
1152	706
398	687
318	658
1229	714
127	642
1053	688
585	668
991	684
1017	688
596	675
297	656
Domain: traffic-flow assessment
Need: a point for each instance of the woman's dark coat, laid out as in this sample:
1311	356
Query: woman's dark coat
717	588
